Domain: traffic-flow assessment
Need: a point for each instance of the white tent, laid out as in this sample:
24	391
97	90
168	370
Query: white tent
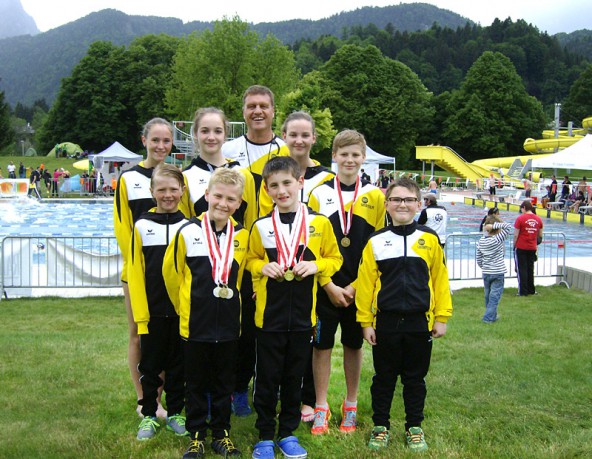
116	153
577	156
371	165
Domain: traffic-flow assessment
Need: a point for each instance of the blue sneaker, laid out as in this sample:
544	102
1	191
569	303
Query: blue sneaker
176	424
240	404
291	449
264	450
147	428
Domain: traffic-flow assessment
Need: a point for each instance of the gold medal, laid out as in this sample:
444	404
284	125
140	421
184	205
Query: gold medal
345	241
216	292
224	292
289	275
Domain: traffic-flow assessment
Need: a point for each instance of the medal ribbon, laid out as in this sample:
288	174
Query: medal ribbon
345	219
287	250
220	255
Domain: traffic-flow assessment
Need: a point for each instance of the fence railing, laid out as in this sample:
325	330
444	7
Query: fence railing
30	262
461	256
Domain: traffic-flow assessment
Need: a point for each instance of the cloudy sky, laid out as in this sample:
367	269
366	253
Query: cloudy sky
548	15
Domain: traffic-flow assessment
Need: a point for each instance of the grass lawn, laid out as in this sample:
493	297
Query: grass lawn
520	388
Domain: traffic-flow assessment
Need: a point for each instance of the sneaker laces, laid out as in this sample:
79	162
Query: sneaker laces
416	437
226	442
196	446
319	419
349	418
180	420
148	424
381	436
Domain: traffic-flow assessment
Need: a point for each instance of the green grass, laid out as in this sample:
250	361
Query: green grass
520	388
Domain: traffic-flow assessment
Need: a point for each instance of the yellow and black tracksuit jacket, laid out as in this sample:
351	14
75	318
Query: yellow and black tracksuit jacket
368	217
313	177
150	238
403	271
187	273
290	306
197	177
254	156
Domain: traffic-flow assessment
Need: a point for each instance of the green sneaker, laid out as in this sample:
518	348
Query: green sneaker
415	439
176	424
379	438
147	428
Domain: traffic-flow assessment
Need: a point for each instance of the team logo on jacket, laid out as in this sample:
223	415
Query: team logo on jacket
438	217
150	232
271	234
137	186
365	203
236	244
202	181
421	242
196	241
388	244
329	201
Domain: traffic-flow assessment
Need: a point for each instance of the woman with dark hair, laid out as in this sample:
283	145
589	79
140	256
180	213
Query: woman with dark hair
528	232
491	211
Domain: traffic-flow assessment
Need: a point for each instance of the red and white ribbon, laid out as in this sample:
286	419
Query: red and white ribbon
287	242
345	219
221	254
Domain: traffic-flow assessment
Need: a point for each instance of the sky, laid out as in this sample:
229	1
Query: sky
551	16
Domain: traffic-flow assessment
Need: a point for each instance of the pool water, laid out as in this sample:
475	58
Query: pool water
27	217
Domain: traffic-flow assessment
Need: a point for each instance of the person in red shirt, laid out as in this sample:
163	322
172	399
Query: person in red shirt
528	233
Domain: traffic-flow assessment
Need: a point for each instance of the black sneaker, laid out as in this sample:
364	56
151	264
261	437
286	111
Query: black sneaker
196	450
224	447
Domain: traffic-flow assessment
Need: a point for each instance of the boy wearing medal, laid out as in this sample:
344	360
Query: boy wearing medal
288	250
355	208
203	269
153	313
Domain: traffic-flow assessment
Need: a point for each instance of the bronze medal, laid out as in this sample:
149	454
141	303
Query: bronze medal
289	275
345	241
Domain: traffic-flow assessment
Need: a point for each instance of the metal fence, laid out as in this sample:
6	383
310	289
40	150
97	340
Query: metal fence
461	256
30	262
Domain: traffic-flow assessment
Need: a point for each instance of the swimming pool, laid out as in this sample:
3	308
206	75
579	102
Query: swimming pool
27	217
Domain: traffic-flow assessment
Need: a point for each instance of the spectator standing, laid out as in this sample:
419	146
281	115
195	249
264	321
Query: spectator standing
528	231
434	216
490	258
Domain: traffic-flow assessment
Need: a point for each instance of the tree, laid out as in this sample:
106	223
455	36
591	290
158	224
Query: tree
491	114
110	94
380	97
579	103
215	67
307	97
6	131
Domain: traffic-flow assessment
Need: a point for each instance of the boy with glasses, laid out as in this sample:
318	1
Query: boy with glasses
403	301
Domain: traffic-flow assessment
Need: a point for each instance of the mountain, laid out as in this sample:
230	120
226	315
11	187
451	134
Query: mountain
14	20
578	42
31	67
409	17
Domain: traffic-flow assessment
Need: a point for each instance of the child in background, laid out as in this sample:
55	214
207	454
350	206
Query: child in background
288	250
132	199
153	312
202	269
490	258
404	301
299	134
355	209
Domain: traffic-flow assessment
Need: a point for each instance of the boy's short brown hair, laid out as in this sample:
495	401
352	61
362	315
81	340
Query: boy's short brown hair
225	176
281	164
349	137
404	182
167	170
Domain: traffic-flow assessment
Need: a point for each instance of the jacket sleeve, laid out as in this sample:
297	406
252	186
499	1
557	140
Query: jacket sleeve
367	284
256	257
441	286
137	283
423	217
330	260
185	204
250	197
122	218
173	268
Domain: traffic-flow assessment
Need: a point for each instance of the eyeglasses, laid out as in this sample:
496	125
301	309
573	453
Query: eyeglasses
398	201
